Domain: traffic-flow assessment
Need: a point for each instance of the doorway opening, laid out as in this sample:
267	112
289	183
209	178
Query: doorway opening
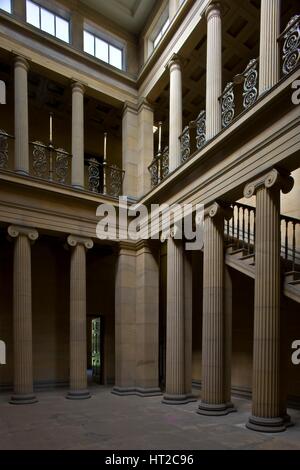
95	350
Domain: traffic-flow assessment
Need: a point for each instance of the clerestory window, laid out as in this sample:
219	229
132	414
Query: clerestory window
47	21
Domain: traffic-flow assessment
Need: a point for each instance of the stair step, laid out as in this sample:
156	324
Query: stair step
292	276
295	283
240	251
245	258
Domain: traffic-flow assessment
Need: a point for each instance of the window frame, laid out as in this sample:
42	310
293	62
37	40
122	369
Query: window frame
110	43
41	7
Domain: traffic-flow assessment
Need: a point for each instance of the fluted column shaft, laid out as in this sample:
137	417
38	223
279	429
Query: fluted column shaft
78	346
77	135
213	342
176	328
175	127
267	398
213	71
269	68
22	315
188	322
21	68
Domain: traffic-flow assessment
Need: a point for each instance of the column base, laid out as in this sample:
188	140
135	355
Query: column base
178	399
78	395
123	391
148	392
223	409
22	172
77	186
28	399
268	425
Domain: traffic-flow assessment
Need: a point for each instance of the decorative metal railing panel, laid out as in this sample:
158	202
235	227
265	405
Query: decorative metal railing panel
240	232
291	45
185	141
105	179
201	130
250	92
159	168
228	105
4	148
50	163
114	177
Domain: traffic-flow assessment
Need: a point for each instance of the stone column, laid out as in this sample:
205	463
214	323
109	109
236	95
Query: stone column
214	400
175	126
78	346
269	61
130	150
176	374
21	67
146	146
267	409
125	320
22	315
188	323
147	321
213	71
78	135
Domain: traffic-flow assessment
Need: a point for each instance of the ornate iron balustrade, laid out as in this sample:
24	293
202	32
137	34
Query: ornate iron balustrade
291	45
249	95
104	178
5	147
48	162
240	232
159	168
185	143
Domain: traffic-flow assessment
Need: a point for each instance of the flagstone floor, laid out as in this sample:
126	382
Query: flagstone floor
110	422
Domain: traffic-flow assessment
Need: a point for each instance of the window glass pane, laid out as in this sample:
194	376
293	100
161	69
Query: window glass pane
157	39
32	14
47	22
101	50
5	5
88	43
115	57
165	26
62	29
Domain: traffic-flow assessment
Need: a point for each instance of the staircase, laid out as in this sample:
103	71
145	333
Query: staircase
240	248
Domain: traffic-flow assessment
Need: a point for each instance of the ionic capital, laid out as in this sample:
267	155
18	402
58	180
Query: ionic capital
74	240
272	179
214	9
217	210
14	231
175	62
77	87
20	61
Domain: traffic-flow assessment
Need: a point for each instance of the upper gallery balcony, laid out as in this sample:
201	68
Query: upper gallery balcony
73	138
212	85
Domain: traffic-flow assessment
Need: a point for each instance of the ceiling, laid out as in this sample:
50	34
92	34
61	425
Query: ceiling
131	15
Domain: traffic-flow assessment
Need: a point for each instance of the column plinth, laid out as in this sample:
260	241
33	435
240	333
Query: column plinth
215	399
78	346
213	71
176	379
78	135
21	68
22	315
268	410
175	126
